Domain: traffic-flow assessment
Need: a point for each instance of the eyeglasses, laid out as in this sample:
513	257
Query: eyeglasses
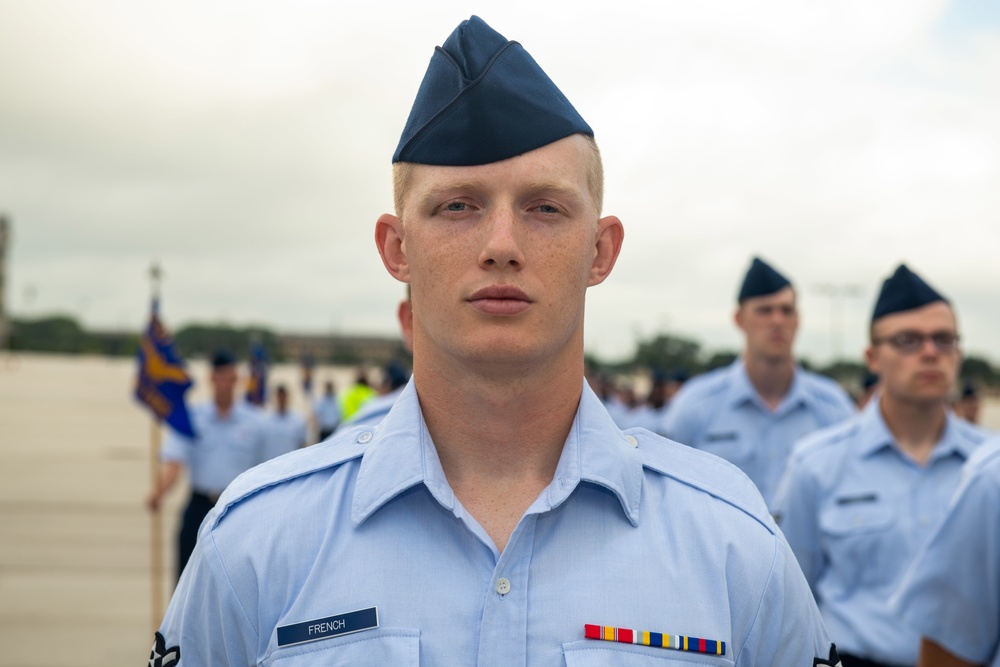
911	342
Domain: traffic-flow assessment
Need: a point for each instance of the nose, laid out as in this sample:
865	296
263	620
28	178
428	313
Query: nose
502	242
928	348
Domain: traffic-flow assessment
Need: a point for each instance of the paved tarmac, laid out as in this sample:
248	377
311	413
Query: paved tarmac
75	557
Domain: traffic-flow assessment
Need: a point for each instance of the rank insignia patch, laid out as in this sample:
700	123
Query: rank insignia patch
161	656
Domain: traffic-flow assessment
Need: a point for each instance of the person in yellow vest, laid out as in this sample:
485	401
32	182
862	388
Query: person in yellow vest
356	395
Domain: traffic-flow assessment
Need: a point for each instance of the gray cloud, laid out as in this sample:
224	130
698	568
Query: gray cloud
246	147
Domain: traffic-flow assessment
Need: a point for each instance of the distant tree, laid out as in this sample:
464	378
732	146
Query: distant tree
979	371
720	359
665	351
57	333
201	340
844	371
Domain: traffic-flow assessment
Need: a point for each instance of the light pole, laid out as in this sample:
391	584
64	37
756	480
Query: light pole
837	294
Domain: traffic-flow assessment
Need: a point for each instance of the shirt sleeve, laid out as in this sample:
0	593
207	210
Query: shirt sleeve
303	434
795	510
788	629
845	406
176	447
205	619
680	422
263	429
951	594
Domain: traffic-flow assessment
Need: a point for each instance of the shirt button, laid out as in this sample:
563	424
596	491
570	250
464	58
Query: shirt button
365	437
503	586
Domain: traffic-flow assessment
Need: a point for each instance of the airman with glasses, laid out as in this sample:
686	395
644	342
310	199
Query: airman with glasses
857	500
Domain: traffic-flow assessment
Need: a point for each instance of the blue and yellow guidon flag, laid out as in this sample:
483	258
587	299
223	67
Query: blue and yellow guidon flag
162	379
257	385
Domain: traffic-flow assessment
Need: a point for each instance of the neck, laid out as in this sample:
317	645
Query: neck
498	431
223	407
771	378
916	427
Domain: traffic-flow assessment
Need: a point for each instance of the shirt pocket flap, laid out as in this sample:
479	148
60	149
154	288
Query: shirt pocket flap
594	653
856	519
384	646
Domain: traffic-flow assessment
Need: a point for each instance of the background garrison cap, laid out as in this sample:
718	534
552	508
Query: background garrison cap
482	100
904	290
223	357
761	280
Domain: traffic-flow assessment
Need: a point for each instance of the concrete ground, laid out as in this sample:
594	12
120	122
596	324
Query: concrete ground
75	555
75	537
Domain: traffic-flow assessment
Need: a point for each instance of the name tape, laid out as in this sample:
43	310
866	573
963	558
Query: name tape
331	626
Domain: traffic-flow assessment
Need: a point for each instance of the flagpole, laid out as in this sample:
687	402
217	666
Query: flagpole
156	539
156	520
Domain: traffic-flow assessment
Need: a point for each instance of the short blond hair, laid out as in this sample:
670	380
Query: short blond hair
595	178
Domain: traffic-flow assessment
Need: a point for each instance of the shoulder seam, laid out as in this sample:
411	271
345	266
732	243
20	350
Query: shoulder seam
719	492
245	486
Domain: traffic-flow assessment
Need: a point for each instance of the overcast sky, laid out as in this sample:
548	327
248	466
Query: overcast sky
246	146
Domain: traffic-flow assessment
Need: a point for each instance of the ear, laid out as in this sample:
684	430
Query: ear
404	313
610	234
389	241
871	359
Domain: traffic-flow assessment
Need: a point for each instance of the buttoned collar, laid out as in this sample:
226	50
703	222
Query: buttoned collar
874	435
741	390
402	455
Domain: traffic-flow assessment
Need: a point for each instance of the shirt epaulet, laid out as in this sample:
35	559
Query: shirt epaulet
344	446
824	389
710	383
986	453
708	473
825	437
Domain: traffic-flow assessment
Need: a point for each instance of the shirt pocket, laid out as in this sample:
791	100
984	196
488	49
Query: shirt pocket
728	444
595	653
858	542
385	646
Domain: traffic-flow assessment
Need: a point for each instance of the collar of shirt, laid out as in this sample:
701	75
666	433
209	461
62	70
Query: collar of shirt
401	456
741	391
874	435
237	412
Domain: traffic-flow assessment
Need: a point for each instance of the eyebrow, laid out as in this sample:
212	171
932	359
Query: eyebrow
554	187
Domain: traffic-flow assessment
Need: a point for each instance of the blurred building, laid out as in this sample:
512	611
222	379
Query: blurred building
4	241
339	349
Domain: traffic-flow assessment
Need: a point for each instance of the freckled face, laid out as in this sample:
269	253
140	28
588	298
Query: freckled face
499	256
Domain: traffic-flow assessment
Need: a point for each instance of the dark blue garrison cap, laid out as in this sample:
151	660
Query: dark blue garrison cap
761	280
904	290
222	357
482	100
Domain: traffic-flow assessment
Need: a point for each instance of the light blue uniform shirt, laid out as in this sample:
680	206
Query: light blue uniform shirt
223	448
720	412
951	593
634	531
855	510
285	433
642	416
327	411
